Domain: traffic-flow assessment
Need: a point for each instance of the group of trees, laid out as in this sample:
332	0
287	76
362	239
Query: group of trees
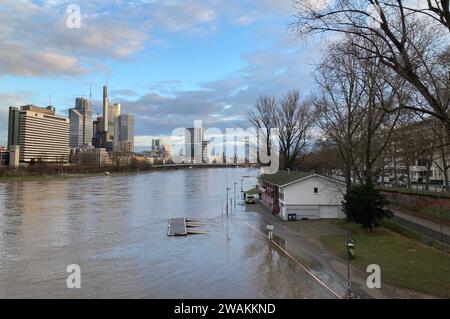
294	117
383	89
384	81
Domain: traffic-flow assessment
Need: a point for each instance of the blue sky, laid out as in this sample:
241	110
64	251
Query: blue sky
168	62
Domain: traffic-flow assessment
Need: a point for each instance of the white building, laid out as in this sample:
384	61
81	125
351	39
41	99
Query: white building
307	195
41	135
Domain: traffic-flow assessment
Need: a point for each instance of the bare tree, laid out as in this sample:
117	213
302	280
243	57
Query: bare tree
442	158
294	121
438	10
339	105
350	107
87	158
324	158
263	119
293	117
406	40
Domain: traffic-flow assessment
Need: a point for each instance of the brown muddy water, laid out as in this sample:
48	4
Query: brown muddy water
115	229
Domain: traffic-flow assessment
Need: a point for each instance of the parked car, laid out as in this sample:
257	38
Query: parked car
250	200
380	180
401	183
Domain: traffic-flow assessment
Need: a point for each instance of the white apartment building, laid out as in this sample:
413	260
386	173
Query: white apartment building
42	135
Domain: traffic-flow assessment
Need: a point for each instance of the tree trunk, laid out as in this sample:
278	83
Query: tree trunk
408	174
427	180
395	171
348	176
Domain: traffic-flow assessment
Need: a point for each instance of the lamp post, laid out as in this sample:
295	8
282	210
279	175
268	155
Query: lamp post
242	189
234	198
350	255
227	200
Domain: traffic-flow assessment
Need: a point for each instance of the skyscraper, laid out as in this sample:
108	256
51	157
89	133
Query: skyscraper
206	152
193	141
40	134
98	133
124	133
157	144
80	124
105	108
13	127
113	112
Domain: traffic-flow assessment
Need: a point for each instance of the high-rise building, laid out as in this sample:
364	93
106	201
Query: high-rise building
206	152
124	133
105	108
80	124
168	151
98	133
13	127
193	141
247	150
113	113
4	156
157	144
41	135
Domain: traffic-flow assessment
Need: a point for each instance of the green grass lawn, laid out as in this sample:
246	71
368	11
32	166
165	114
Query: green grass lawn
404	263
440	213
433	213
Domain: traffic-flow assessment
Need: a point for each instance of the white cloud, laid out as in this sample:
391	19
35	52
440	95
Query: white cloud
36	40
19	60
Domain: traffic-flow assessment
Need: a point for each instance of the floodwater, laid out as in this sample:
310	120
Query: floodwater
115	229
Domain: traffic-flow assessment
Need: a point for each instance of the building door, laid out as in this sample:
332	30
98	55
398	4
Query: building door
329	211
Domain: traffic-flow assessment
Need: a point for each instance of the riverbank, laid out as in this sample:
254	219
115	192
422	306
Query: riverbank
107	170
320	244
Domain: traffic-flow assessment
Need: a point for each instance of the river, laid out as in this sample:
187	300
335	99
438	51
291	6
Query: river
115	229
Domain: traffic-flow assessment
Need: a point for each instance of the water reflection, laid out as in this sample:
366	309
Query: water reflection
115	228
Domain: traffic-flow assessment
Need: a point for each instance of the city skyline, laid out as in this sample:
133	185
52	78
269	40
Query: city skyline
234	56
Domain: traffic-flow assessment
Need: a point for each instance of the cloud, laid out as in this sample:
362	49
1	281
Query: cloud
222	103
19	60
38	44
187	15
37	31
247	18
8	99
124	93
36	40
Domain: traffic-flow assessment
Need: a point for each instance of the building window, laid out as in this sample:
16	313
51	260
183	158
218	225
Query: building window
316	191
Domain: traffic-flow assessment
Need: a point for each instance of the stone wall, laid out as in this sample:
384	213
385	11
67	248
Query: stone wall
416	200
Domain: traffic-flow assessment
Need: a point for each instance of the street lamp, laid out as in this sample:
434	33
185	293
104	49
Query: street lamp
227	200
234	199
350	245
242	189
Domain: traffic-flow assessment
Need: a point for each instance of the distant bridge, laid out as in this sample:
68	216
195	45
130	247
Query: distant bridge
221	165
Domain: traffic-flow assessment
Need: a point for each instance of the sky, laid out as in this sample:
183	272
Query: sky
168	62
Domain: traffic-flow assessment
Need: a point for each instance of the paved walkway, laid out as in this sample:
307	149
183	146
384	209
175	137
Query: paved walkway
302	240
426	227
